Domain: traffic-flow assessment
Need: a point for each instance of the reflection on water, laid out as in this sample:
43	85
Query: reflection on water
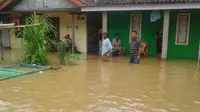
115	86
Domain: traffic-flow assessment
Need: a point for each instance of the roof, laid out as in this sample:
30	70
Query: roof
78	3
127	2
88	2
44	5
134	5
4	4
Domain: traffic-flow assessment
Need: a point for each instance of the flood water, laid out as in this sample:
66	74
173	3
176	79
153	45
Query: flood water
115	86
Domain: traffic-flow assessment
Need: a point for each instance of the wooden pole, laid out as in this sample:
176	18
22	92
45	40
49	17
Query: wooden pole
1	45
73	33
19	26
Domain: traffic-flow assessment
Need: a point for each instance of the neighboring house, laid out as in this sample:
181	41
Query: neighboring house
180	20
60	11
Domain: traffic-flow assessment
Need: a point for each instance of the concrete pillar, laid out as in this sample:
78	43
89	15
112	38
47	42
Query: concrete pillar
73	33
104	21
104	27
165	34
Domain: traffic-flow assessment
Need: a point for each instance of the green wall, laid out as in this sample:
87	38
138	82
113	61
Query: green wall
184	51
119	22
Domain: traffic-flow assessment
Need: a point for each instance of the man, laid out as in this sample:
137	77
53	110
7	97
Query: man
117	45
106	46
134	48
159	40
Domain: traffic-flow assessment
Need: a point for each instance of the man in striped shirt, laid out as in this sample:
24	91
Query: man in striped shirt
134	48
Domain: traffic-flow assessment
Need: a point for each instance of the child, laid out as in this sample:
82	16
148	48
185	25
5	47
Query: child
134	48
106	46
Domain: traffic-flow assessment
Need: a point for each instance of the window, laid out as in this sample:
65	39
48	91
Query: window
183	27
135	24
18	20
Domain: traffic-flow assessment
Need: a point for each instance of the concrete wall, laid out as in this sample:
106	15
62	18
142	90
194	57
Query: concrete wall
5	38
184	51
65	19
148	30
15	42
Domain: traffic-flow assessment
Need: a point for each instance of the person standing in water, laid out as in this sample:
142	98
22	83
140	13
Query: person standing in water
106	46
159	36
134	48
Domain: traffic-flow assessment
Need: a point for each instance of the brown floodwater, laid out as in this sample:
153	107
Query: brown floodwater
115	86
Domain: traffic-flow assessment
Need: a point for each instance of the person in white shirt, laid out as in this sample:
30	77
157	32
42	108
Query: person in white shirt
106	46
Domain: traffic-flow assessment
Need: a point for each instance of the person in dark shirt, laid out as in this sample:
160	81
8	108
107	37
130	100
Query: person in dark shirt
134	48
159	36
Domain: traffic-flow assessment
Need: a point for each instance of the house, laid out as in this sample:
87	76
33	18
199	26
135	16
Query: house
179	18
61	12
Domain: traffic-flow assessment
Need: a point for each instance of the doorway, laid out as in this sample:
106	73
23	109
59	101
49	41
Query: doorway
54	35
5	33
94	25
56	23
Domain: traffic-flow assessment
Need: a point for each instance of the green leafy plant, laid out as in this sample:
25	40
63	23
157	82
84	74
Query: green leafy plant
72	58
35	40
61	52
64	54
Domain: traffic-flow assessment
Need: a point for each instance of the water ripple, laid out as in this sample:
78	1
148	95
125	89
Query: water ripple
3	108
159	110
24	110
197	102
138	105
4	104
174	109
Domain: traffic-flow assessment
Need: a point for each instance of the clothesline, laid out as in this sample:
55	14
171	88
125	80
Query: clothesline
10	26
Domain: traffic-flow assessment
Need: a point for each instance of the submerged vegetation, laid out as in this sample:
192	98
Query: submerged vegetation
35	40
61	52
64	54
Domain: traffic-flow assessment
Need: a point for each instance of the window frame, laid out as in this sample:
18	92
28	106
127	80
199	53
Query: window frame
140	25
177	41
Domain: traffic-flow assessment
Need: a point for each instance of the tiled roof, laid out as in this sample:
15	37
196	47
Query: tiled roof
123	2
4	4
43	5
88	2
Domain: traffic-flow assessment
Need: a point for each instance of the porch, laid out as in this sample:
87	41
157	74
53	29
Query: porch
179	32
65	15
180	21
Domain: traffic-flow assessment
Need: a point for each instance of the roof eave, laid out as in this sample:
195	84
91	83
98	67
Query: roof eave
141	7
43	10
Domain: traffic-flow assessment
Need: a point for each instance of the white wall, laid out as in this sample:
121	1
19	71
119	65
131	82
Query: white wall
65	19
5	37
